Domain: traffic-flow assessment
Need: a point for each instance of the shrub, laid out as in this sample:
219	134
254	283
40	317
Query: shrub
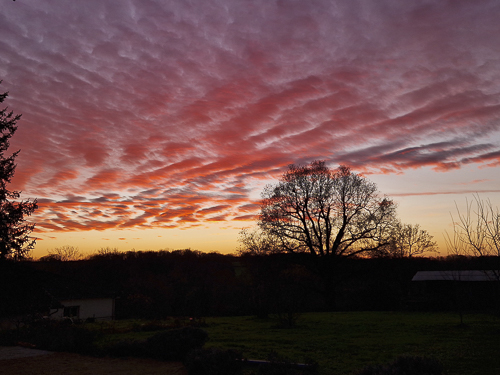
406	365
126	348
8	337
214	361
175	344
59	336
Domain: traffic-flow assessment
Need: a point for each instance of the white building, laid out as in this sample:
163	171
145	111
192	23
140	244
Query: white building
85	308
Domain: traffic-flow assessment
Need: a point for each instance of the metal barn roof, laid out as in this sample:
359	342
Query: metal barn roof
468	275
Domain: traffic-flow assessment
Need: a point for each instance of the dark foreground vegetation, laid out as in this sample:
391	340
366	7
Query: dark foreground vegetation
361	343
213	311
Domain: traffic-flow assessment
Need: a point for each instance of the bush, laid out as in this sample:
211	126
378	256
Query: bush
59	336
406	365
126	348
8	337
175	344
214	361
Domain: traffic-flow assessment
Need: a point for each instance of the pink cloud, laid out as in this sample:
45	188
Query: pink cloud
147	114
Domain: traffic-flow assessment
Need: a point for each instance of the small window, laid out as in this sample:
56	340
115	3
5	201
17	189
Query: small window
72	311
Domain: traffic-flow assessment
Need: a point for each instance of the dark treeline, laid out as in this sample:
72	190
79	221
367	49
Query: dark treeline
191	283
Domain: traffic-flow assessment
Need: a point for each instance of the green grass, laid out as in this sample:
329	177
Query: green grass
344	342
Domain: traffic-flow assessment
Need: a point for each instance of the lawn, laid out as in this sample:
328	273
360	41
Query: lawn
343	342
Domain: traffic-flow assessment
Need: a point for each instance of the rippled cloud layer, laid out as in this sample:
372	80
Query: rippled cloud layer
141	114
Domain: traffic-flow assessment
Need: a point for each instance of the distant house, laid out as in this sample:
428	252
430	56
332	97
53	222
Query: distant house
79	300
84	308
446	290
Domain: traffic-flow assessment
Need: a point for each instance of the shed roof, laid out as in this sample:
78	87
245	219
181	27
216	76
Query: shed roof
466	275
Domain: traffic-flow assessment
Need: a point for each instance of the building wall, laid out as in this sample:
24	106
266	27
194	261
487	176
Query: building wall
454	295
98	308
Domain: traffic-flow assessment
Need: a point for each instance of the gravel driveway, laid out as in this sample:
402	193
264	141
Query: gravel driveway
12	352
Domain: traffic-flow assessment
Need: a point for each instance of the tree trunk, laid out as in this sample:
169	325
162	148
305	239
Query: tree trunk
328	273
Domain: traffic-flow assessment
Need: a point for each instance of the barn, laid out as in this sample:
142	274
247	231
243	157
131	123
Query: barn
455	289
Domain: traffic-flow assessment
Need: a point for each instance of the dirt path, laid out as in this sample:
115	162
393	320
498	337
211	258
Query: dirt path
22	361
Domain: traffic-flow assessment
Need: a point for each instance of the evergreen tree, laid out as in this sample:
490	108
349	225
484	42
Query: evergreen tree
15	239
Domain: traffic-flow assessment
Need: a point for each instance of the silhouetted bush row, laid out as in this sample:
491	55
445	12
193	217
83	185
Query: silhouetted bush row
59	335
53	335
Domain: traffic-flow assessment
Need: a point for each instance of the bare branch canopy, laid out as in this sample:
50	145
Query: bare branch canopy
326	212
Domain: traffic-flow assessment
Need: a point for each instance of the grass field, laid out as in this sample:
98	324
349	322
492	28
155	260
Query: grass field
344	342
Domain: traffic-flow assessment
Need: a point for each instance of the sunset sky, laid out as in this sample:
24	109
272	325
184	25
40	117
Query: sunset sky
155	124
